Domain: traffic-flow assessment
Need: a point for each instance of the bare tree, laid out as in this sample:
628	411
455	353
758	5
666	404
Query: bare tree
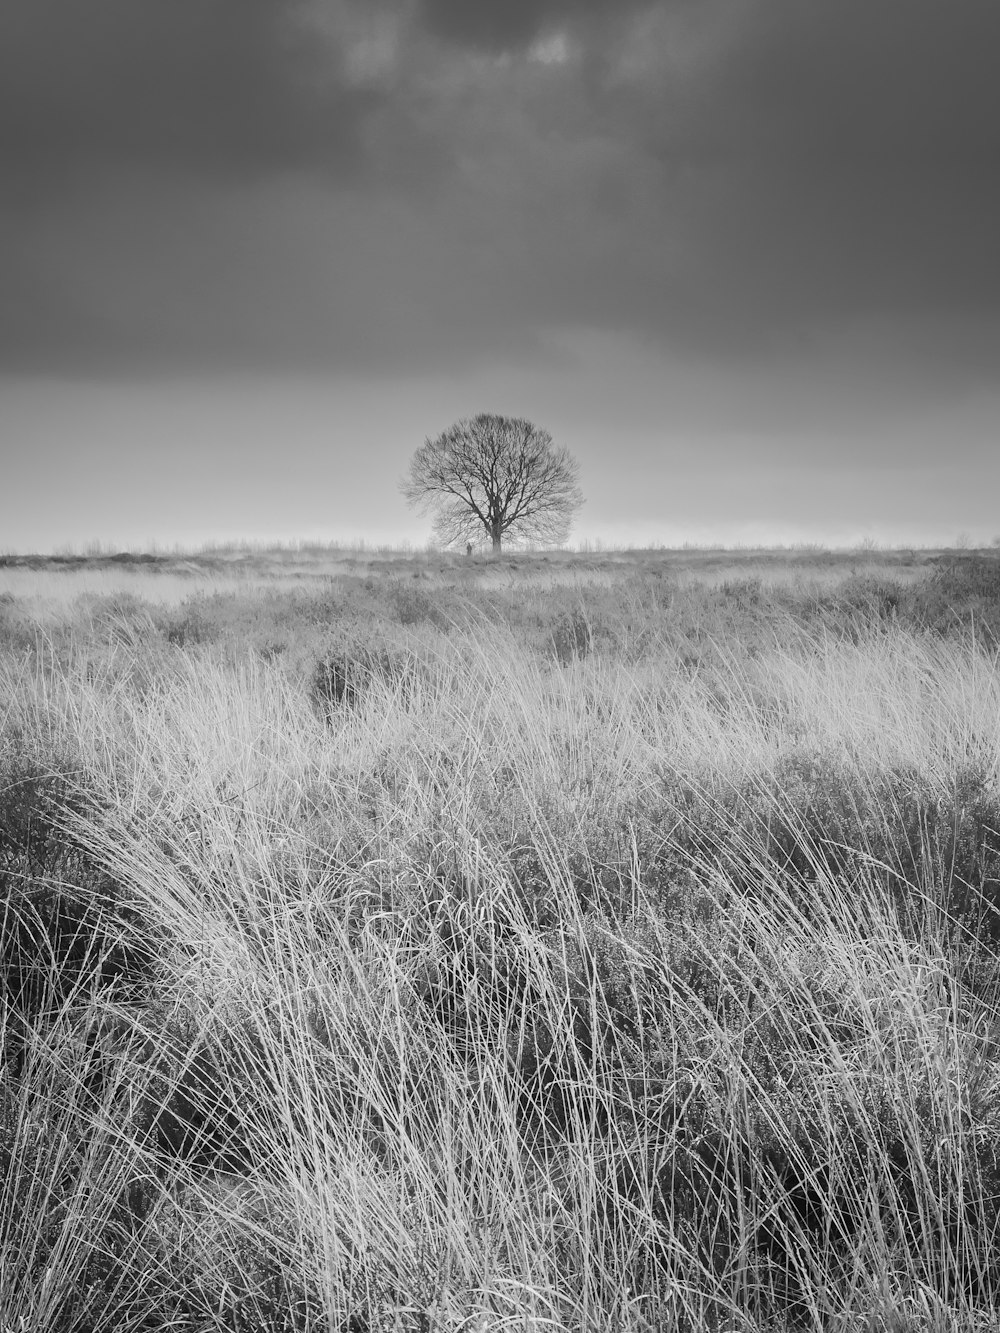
495	476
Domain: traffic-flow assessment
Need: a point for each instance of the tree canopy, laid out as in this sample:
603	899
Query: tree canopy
495	477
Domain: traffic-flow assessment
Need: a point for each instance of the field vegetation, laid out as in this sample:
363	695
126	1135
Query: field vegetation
423	943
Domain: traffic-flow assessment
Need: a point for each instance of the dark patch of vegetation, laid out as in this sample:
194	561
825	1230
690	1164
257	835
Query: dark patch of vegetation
413	604
872	600
17	634
203	1102
703	1180
812	818
341	678
963	591
122	618
571	637
189	624
62	919
488	992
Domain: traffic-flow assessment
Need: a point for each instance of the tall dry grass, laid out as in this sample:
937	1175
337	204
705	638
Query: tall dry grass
603	990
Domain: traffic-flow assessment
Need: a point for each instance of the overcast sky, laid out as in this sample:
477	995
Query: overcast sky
739	256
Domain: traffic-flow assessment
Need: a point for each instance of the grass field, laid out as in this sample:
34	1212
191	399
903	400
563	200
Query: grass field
400	941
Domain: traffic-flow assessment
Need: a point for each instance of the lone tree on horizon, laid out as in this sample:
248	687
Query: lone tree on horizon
498	476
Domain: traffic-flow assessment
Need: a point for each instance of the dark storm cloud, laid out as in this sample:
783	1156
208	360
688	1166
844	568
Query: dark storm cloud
146	277
503	25
847	158
384	186
230	86
757	180
910	80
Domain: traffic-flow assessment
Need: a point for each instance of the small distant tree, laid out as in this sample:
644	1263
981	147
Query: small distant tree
496	477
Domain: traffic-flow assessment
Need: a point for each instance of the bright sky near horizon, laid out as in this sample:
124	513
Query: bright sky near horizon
739	256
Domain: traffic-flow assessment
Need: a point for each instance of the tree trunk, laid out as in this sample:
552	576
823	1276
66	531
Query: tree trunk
496	543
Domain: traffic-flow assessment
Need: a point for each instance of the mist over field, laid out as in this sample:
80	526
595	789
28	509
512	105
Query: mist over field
430	942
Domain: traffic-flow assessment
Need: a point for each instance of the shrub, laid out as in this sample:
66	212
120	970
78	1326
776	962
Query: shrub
745	594
188	625
571	637
866	600
16	630
412	604
341	679
123	618
964	589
